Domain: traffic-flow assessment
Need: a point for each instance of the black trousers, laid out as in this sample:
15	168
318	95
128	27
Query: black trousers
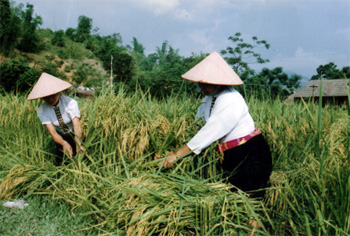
59	152
248	166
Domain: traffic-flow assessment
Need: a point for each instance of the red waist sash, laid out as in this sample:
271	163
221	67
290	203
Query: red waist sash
236	142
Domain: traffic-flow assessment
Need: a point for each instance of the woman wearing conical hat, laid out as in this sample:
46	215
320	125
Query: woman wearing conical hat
60	114
246	155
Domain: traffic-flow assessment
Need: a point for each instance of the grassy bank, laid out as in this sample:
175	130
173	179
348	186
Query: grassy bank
119	187
43	217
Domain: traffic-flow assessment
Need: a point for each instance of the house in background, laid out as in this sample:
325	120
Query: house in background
84	92
333	91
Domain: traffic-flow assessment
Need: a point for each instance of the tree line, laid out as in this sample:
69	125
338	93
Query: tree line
159	72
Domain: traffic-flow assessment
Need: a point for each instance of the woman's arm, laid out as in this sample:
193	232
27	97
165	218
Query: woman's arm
78	134
168	162
58	139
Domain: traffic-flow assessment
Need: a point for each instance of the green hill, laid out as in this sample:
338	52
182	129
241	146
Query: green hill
72	62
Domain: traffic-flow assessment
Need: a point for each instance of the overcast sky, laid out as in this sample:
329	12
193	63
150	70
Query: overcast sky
303	34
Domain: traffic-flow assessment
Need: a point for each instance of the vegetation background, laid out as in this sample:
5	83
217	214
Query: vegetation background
117	188
85	58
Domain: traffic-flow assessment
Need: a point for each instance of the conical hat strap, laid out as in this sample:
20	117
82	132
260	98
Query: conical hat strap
212	104
60	119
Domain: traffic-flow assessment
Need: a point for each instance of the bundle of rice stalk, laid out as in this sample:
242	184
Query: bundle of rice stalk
135	141
338	136
159	124
279	186
22	179
173	205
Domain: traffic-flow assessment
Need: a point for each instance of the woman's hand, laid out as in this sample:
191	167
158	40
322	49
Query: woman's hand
168	162
67	147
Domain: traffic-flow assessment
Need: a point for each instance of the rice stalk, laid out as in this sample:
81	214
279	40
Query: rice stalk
119	185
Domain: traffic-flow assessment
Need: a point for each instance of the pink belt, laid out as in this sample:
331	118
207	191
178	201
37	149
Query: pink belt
236	142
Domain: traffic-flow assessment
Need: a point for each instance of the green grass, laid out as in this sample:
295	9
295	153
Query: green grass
119	186
43	217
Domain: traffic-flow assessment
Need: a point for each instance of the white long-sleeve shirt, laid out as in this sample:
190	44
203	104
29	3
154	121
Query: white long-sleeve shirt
69	110
229	119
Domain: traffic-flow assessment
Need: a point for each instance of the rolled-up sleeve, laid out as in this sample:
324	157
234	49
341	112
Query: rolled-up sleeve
73	109
43	115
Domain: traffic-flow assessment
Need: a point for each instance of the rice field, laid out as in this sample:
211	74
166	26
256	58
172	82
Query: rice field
119	186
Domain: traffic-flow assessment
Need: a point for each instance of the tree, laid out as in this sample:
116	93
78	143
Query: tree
242	54
30	40
137	47
84	29
107	48
86	75
9	28
123	66
193	60
108	45
58	38
27	79
274	82
162	71
52	70
293	83
163	52
346	72
71	33
330	71
16	75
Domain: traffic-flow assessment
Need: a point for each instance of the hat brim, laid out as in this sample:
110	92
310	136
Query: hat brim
47	85
213	70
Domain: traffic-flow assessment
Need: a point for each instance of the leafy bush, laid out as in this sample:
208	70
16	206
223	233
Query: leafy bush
73	50
16	75
59	63
68	68
87	76
52	70
49	57
58	38
28	79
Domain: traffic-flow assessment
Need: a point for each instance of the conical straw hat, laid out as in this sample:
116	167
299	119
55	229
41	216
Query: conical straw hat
213	70
47	85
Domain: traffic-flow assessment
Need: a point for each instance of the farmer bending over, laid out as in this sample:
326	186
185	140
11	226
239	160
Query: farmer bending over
246	155
60	115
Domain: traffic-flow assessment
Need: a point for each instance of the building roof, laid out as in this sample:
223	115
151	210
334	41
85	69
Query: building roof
330	88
